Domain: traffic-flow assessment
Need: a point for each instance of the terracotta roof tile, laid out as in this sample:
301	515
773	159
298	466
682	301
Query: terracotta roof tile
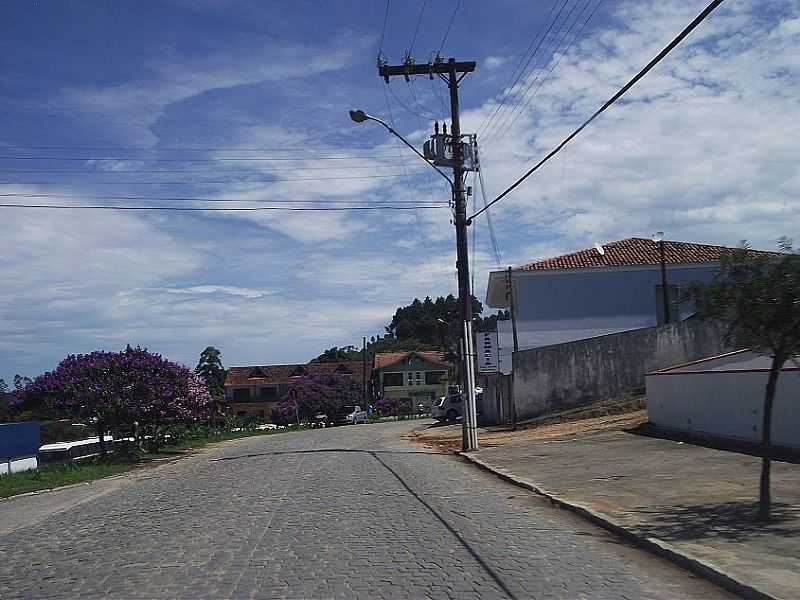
633	251
277	374
385	359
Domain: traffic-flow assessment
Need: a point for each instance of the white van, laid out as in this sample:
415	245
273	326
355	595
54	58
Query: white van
450	407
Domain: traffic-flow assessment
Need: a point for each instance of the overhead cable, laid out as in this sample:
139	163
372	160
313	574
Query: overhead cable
383	30
449	26
538	68
561	54
510	85
193	160
658	58
207	209
416	30
189	199
227	182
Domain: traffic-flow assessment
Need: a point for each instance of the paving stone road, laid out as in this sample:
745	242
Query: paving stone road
351	512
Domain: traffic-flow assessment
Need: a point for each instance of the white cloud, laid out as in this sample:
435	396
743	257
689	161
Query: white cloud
494	62
702	147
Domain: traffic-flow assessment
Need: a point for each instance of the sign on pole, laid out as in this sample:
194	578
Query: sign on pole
488	355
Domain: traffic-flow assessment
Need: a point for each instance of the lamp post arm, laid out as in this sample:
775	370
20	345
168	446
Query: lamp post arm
417	152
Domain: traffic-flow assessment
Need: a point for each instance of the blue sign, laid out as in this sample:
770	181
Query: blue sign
19	440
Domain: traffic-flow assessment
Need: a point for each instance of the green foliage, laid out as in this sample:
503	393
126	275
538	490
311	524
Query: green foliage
211	371
422	325
336	354
756	296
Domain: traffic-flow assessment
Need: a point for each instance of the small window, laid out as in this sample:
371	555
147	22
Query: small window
269	393
392	380
433	377
241	394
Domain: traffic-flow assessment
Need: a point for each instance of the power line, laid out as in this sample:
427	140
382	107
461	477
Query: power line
407	181
234	209
498	256
206	171
383	29
520	68
301	146
195	160
449	25
188	199
227	182
658	58
553	44
561	54
416	30
407	108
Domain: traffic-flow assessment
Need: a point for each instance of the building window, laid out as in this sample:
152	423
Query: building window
418	378
392	380
269	393
410	378
434	377
241	394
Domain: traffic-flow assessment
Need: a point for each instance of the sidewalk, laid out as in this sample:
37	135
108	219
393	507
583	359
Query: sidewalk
690	503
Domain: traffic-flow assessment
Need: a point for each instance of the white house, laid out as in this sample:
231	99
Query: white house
606	289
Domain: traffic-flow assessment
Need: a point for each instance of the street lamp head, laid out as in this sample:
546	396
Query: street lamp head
658	236
358	115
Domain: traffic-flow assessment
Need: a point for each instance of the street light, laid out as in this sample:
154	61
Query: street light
359	116
658	238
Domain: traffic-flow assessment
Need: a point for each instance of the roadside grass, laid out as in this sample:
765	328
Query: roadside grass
51	476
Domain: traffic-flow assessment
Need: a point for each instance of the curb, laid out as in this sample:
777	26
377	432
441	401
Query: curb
652	545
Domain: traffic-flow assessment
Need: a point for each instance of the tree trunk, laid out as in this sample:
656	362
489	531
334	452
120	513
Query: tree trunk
764	500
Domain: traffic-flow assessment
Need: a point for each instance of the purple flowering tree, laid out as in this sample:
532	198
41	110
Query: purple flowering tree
113	391
316	394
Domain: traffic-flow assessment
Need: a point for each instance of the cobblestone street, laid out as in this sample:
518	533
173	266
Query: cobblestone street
338	513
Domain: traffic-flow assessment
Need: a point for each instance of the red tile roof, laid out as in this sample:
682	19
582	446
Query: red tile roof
278	374
385	359
633	251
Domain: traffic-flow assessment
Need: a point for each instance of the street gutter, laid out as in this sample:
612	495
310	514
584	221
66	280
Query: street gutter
656	546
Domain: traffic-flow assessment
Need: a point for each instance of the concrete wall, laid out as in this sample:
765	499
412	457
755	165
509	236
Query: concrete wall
494	406
724	404
18	465
579	373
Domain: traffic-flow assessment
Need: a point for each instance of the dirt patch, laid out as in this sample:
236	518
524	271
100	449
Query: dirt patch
448	439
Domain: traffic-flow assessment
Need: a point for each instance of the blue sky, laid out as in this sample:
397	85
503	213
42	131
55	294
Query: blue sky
704	148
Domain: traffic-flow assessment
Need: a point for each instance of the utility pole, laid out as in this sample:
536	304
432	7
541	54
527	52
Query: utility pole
510	296
664	289
452	73
364	369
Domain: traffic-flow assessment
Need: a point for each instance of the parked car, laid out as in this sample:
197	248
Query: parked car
351	415
320	421
451	407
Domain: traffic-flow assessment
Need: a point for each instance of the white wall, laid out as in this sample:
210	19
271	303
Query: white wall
724	404
18	465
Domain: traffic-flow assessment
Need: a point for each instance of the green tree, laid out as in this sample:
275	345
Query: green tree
336	354
21	382
756	295
211	371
